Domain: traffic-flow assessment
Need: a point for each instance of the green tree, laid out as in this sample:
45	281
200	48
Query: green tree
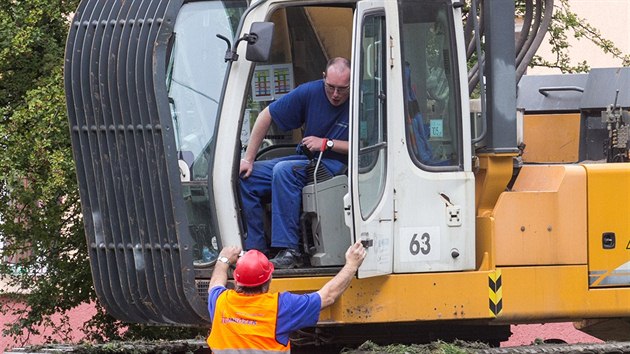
41	227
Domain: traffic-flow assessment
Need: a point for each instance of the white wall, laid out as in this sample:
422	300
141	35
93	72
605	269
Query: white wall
611	17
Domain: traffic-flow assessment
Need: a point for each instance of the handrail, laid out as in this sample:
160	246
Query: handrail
544	90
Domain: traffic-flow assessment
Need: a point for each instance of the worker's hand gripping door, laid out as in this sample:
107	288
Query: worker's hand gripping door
370	182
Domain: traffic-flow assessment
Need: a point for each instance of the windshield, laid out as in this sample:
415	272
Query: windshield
194	79
197	70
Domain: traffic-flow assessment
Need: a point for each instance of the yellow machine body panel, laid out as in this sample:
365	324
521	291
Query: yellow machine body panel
608	224
504	295
558	293
542	220
551	138
405	297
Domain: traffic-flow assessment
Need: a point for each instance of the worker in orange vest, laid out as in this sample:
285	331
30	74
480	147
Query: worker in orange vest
252	319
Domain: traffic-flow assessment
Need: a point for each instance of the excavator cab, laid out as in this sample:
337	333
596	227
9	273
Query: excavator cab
305	37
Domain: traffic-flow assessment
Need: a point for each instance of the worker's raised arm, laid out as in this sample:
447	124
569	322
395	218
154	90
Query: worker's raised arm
219	274
337	285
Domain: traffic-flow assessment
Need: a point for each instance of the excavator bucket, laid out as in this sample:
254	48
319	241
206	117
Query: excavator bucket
124	149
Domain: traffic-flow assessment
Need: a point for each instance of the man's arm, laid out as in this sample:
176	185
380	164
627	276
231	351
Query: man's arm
341	146
261	126
315	144
330	292
219	274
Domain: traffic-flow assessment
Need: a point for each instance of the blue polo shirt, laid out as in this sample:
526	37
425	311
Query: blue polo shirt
294	311
308	106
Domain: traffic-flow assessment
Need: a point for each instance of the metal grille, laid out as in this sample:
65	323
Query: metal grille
124	150
202	289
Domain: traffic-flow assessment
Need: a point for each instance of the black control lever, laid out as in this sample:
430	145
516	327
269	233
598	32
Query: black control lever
306	151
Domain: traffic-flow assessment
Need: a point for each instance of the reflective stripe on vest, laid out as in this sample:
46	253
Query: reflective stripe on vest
245	324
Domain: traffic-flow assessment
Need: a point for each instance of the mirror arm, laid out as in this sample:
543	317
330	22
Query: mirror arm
230	55
251	38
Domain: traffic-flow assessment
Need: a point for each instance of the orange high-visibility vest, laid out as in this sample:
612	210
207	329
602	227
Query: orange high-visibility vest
245	324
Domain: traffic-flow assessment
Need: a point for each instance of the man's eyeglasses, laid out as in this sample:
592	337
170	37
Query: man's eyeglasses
342	90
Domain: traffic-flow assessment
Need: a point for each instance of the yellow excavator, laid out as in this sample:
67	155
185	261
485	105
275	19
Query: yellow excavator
473	219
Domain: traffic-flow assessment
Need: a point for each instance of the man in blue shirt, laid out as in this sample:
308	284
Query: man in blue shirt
251	318
321	107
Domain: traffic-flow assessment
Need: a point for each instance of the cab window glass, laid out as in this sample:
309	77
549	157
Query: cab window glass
431	88
372	138
195	77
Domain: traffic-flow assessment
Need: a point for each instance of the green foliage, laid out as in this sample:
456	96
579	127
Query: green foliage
439	347
32	37
41	230
44	255
566	23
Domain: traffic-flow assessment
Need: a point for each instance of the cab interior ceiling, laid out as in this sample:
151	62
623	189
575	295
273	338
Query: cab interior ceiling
304	31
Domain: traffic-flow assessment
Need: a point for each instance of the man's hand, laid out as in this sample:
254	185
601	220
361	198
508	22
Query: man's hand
246	168
219	274
231	253
313	143
355	256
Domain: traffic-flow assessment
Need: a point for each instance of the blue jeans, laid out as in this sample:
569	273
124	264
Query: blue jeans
282	179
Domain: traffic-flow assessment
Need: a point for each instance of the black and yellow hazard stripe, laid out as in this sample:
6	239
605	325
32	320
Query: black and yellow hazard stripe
495	293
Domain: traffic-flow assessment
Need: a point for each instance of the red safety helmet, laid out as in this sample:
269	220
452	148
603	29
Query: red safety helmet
253	269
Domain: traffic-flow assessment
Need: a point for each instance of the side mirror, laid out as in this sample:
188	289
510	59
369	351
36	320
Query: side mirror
259	43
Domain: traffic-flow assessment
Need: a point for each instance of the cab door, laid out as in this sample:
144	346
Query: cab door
430	141
371	190
411	181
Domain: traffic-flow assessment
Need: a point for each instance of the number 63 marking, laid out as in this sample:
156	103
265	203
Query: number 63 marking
423	245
